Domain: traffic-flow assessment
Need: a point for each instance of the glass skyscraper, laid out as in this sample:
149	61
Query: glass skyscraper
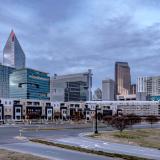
29	84
5	71
122	78
13	54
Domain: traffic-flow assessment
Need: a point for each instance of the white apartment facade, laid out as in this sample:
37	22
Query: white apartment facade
24	109
149	86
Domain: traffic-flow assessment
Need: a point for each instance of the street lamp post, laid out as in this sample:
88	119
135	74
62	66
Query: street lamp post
96	130
20	132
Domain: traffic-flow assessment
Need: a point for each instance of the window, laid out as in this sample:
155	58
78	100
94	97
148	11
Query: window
18	110
18	117
64	112
49	111
29	103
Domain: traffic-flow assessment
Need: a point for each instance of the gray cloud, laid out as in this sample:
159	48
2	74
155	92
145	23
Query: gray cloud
71	36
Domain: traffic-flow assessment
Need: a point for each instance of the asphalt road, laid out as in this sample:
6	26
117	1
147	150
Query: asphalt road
70	135
49	152
7	134
8	140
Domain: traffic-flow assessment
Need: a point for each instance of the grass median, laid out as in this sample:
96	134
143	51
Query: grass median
142	137
80	149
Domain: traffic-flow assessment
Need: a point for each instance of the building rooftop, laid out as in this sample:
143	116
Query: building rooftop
70	75
31	69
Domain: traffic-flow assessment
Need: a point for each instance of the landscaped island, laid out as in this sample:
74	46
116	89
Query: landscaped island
141	137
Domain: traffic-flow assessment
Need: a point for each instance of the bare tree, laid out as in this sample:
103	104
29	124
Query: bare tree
134	119
107	120
120	123
152	119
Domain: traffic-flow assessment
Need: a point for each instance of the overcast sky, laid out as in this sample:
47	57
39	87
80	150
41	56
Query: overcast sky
69	36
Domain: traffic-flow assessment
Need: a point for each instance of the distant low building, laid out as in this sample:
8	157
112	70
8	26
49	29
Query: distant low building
97	94
130	97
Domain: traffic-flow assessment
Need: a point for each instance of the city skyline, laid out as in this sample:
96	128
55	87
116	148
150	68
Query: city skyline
94	41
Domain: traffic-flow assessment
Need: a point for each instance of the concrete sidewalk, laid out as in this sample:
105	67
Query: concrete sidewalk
99	145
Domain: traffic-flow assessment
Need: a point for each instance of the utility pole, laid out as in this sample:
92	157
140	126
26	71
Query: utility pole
96	130
89	83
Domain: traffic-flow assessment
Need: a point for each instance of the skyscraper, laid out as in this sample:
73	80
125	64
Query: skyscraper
28	83
108	90
5	71
13	54
122	78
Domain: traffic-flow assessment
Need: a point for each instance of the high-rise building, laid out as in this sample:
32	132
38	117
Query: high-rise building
29	84
122	78
142	84
108	90
5	71
71	87
150	86
133	89
13	54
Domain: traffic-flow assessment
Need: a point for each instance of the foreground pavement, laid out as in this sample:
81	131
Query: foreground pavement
9	141
67	134
52	153
98	145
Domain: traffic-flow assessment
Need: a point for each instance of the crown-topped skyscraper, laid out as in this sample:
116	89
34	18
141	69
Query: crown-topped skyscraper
13	54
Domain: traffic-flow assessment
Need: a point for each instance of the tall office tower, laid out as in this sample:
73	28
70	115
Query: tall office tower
5	71
122	78
71	87
108	89
133	89
13	54
28	83
149	86
142	84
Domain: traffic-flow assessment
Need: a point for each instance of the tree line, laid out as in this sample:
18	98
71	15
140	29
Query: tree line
121	122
